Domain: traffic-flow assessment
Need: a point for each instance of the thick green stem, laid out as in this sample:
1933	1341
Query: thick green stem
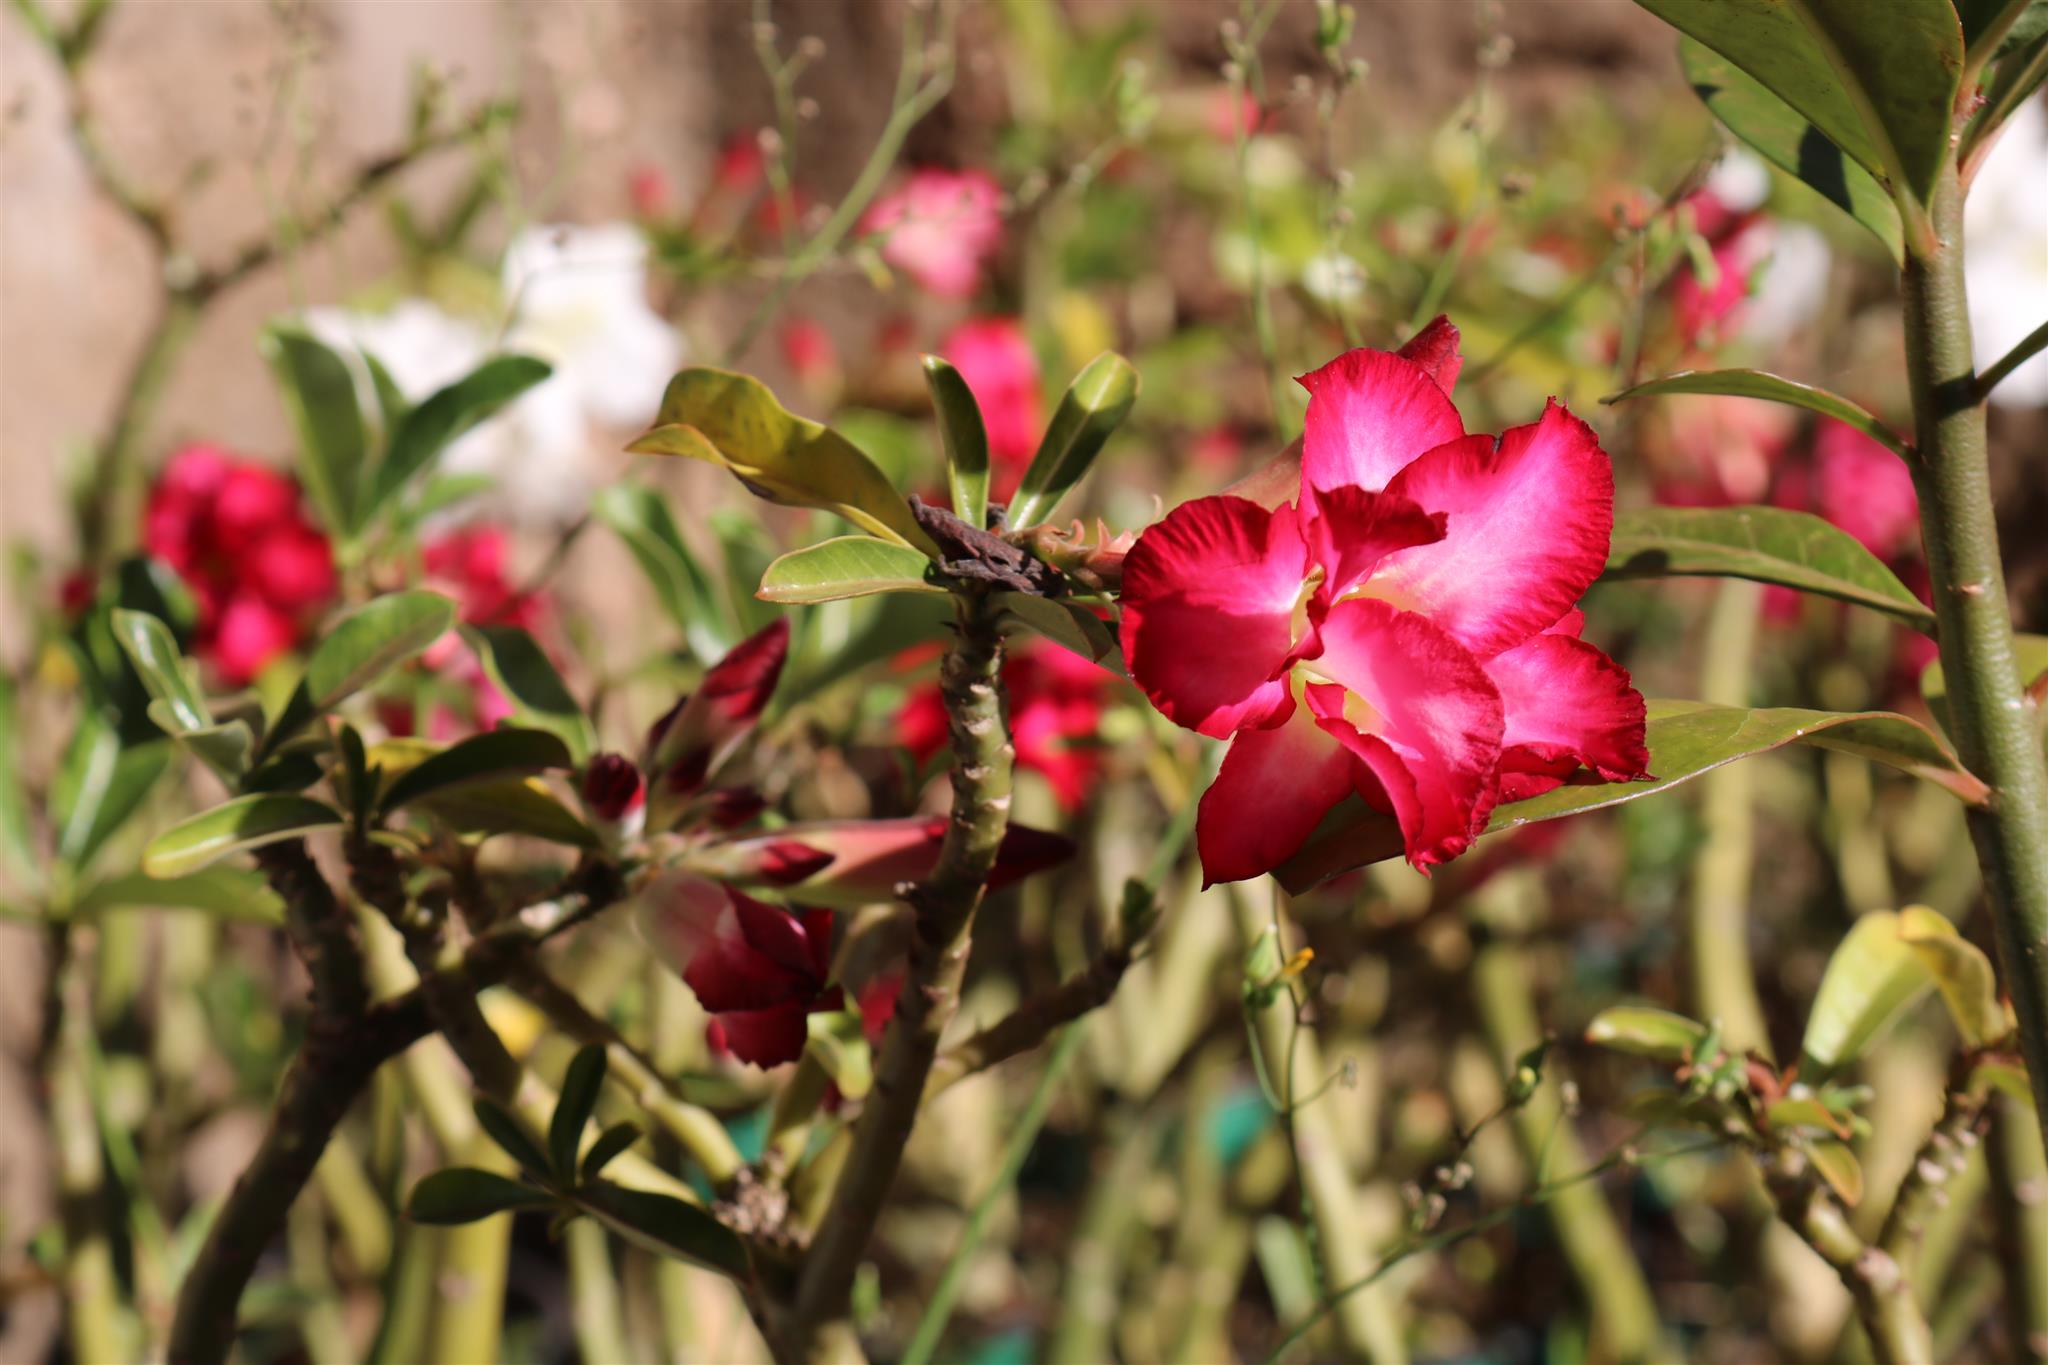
1885	1302
1996	732
2019	1175
1724	983
945	903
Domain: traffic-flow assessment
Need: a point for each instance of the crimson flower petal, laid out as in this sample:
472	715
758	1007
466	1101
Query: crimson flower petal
1273	788
1369	414
1208	612
1528	531
1352	530
763	1038
1429	727
728	954
1566	703
698	734
1435	349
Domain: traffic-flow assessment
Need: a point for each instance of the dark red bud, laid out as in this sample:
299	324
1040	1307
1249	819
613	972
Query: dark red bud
612	787
785	862
731	807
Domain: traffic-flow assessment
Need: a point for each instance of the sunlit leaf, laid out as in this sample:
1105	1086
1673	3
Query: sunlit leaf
1873	975
1838	1166
1765	544
1093	407
1646	1032
846	566
372	640
1769	388
491	755
839	1047
1789	141
733	420
320	396
965	438
1805	1112
100	783
1961	973
245	822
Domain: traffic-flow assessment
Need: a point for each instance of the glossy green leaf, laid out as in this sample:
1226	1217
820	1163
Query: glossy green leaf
464	1194
1771	388
1838	1166
1873	975
1961	973
1766	544
1093	407
611	1143
491	755
508	805
1880	85
641	518
320	396
2031	652
425	431
1646	1032
162	668
666	1226
845	566
100	783
373	639
734	421
1686	738
523	672
1789	141
965	438
245	822
505	1129
580	1084
225	747
229	893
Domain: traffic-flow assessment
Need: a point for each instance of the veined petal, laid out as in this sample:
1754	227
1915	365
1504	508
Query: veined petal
1566	703
1420	714
1208	612
1273	788
1528	530
1352	530
1369	414
1435	349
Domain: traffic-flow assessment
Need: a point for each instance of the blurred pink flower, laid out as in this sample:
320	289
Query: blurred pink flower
940	228
1865	489
995	358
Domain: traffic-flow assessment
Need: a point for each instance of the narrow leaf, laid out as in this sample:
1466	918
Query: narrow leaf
1060	624
573	1109
667	1226
372	640
964	437
611	1143
641	518
522	671
1765	544
464	1194
493	754
1095	404
245	822
1838	1166
424	432
1646	1032
1789	141
100	783
512	1138
1771	388
846	566
320	397
733	420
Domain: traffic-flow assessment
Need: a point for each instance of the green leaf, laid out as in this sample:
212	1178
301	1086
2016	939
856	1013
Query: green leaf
1881	86
1062	623
100	783
1873	975
225	747
733	420
372	640
1686	738
1838	1166
845	566
320	396
1766	544
965	438
2031	651
573	1108
424	432
229	893
464	1194
2014	79
1789	141
522	671
1094	406
511	1137
2014	23
1805	1112
836	1042
1774	389
666	1226
149	646
611	1143
1646	1032
17	851
245	822
492	754
508	806
1961	973
641	518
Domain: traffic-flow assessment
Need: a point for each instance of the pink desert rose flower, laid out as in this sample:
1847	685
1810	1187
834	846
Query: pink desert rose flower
1405	629
1056	699
238	535
940	228
1865	489
995	358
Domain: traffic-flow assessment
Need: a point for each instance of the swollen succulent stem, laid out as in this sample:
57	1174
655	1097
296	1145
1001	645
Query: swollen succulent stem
945	902
1993	722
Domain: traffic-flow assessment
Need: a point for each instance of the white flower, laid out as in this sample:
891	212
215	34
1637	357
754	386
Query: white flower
1333	279
578	297
1790	287
2005	253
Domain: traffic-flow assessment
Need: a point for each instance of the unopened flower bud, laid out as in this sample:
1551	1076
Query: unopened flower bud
615	796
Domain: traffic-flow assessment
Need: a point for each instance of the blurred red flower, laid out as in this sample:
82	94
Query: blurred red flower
940	228
1056	701
995	358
